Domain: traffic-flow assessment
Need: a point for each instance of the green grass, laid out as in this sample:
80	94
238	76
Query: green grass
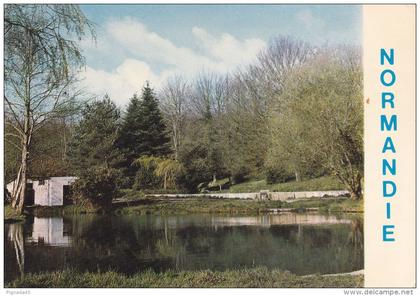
233	206
331	205
197	205
11	216
242	278
317	184
45	211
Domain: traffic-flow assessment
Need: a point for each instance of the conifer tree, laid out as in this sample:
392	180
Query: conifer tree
143	132
94	140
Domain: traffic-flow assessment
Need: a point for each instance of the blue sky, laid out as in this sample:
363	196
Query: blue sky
153	42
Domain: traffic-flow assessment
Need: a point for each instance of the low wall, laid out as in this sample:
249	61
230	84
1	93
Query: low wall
212	195
306	194
256	195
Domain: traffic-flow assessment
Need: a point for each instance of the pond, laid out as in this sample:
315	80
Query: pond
300	243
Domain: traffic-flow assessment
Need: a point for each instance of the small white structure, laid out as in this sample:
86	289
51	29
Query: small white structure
48	192
49	231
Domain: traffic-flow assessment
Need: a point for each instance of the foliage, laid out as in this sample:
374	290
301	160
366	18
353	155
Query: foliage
275	175
156	170
96	187
145	177
143	130
94	140
196	169
94	156
323	109
47	154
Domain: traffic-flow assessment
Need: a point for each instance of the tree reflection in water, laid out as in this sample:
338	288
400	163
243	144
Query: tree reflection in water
16	236
302	244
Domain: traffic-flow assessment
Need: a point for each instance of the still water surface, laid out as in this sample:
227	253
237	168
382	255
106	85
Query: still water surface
300	243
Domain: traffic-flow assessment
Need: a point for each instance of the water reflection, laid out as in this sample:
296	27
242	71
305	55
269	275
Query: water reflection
283	219
15	235
49	231
301	243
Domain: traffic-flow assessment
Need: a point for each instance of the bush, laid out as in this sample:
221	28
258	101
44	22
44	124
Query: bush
275	175
146	179
96	187
240	174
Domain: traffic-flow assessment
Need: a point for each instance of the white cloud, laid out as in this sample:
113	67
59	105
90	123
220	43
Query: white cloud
148	56
310	21
227	49
121	83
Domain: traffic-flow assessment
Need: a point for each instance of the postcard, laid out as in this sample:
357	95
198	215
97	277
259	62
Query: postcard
193	145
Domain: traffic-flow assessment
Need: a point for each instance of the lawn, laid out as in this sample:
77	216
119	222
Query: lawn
240	278
317	184
234	206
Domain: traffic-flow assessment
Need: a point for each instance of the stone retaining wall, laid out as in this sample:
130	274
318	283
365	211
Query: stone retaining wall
257	195
306	194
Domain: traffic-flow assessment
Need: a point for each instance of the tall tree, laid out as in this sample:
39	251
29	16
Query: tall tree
208	102
143	130
41	57
174	99
321	109
94	141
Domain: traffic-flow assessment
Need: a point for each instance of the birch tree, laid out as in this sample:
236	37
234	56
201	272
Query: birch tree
41	60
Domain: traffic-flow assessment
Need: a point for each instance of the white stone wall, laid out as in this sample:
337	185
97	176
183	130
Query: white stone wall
50	193
41	192
56	189
256	195
214	195
306	194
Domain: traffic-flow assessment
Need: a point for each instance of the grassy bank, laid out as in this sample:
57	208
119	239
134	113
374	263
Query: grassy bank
175	206
11	216
244	278
209	205
45	211
317	184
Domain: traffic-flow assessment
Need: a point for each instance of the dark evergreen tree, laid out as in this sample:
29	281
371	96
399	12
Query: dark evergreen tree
129	134
94	156
94	140
143	131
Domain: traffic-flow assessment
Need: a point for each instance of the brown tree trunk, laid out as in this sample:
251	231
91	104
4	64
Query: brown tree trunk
355	188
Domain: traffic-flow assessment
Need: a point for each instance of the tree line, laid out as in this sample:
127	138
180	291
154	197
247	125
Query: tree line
295	113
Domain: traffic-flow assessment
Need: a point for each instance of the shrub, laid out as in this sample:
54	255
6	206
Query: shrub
275	175
146	179
96	187
240	174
